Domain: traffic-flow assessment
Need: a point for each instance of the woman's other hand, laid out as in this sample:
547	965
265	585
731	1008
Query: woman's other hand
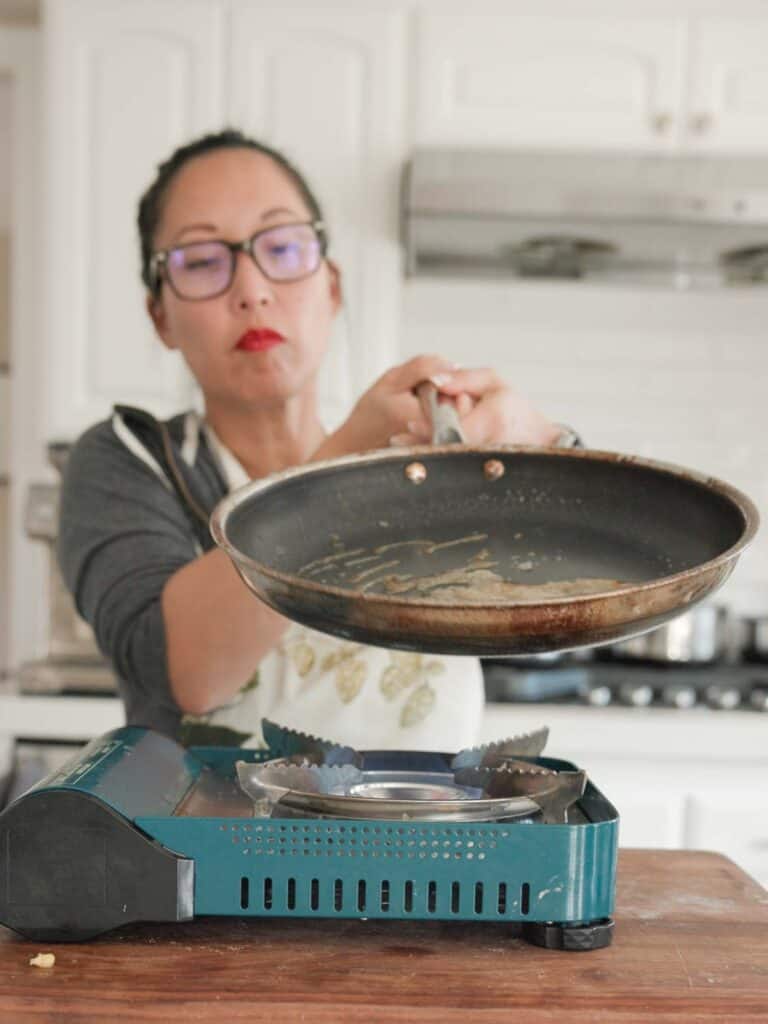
490	411
390	409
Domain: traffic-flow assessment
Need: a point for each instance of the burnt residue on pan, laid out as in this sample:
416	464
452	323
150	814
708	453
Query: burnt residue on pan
479	579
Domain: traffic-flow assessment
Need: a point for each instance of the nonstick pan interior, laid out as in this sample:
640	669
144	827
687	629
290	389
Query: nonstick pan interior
323	544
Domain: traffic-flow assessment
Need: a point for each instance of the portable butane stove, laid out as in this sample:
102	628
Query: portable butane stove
138	828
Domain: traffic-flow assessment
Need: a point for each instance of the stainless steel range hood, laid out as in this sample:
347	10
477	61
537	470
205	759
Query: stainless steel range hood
681	221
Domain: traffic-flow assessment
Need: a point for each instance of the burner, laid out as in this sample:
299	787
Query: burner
488	783
409	786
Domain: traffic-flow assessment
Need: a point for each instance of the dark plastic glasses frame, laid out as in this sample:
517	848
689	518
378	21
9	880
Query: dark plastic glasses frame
159	259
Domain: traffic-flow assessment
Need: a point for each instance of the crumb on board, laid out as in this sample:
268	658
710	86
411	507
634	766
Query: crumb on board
43	960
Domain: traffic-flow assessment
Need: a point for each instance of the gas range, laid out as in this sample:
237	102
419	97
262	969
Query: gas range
721	687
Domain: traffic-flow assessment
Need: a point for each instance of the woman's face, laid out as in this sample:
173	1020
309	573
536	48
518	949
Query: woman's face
231	194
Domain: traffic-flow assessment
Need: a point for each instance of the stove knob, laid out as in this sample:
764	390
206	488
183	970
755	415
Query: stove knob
724	698
599	695
758	698
678	695
638	695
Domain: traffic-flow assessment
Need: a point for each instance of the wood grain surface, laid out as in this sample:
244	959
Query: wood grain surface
691	944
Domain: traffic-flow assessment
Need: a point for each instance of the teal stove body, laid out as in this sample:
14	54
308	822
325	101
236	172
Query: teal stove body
138	828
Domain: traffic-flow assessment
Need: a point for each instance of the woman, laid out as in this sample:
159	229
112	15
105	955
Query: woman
234	259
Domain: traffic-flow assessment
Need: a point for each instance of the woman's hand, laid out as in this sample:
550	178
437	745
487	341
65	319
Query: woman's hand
489	410
389	408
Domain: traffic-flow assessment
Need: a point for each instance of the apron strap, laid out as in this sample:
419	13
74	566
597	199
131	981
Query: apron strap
155	437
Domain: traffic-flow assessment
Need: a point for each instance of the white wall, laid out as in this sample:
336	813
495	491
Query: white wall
678	376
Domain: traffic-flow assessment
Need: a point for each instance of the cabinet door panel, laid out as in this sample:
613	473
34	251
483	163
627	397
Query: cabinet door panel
728	102
126	84
326	88
733	820
505	79
650	810
5	590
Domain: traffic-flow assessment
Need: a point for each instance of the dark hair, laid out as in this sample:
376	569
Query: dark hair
151	203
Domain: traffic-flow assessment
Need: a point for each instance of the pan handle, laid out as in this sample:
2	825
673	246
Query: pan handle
446	428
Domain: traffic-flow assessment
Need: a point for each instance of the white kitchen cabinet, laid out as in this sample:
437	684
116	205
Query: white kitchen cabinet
737	813
672	79
5	536
125	83
5	425
679	779
5	265
727	108
652	813
345	89
522	79
325	86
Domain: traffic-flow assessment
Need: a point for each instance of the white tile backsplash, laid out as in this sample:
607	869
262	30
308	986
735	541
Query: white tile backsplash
676	376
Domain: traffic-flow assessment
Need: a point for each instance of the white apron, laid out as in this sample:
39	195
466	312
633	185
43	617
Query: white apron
362	696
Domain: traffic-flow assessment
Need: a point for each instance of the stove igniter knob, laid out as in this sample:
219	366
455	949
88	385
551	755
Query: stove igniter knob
638	695
724	698
678	695
758	698
599	695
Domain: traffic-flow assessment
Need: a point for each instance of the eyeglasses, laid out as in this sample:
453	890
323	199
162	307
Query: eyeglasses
203	270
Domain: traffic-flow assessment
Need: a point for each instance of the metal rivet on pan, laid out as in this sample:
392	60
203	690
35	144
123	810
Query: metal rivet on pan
494	469
416	472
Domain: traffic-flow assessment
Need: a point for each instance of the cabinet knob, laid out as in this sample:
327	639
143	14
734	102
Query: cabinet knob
661	123
700	124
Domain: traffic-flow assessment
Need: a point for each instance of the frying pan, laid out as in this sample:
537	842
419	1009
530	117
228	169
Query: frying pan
352	546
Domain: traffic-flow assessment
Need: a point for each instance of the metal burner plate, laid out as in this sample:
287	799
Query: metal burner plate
345	791
412	786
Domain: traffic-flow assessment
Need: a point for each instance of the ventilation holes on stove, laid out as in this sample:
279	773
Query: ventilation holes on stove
455	897
411	843
525	898
408	897
501	903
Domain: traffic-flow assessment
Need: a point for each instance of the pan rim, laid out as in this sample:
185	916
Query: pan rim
229	504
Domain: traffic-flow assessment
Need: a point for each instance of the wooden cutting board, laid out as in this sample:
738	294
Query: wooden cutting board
691	944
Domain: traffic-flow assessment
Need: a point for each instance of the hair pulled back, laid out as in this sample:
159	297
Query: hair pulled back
151	202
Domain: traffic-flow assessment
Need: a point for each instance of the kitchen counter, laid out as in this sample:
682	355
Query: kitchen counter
575	729
578	730
691	945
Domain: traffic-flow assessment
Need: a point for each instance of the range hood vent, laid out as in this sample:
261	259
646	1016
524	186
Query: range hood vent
664	220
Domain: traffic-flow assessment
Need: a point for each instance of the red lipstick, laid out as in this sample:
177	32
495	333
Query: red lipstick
259	339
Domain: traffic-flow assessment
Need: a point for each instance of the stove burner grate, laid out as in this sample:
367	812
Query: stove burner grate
488	783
